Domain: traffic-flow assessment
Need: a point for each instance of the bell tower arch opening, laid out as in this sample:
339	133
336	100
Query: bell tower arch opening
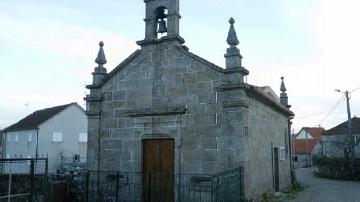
161	22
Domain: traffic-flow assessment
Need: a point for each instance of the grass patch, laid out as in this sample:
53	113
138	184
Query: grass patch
286	194
317	174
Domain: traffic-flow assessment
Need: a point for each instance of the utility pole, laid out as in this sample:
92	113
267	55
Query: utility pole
307	149
350	136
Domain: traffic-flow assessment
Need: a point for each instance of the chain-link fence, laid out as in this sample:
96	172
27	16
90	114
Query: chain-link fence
23	179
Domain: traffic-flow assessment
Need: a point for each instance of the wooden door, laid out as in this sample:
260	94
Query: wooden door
158	169
276	169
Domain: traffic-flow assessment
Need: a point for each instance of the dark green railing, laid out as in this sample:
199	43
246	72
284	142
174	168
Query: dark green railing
164	187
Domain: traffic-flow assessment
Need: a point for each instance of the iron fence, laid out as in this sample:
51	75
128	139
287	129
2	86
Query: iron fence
164	187
23	179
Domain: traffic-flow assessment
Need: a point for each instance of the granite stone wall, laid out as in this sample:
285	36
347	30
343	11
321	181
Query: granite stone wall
167	92
267	130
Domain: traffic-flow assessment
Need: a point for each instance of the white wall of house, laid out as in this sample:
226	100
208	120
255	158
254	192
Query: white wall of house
20	144
66	128
332	149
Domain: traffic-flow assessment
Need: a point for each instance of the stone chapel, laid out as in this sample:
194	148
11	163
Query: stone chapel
165	109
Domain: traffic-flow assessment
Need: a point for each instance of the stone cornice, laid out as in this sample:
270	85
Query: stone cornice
240	86
166	112
227	104
177	38
93	113
93	99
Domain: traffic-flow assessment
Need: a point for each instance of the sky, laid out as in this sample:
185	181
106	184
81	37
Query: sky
48	48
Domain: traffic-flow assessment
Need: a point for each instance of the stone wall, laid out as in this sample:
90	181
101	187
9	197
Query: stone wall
267	130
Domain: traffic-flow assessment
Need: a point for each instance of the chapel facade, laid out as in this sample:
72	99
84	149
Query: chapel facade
165	109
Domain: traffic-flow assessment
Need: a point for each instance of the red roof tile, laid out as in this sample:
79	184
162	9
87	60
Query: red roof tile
300	144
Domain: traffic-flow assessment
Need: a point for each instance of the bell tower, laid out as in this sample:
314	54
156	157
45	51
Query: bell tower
161	22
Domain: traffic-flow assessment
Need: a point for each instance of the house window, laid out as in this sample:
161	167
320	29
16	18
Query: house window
8	137
7	156
16	139
57	137
30	138
83	137
356	138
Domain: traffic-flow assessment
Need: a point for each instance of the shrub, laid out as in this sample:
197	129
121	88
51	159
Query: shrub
338	168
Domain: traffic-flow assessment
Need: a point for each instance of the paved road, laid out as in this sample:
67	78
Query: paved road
325	190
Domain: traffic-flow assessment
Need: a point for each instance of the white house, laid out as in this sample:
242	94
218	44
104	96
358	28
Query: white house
56	133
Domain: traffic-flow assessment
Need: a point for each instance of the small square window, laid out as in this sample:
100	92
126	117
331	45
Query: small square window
57	137
83	137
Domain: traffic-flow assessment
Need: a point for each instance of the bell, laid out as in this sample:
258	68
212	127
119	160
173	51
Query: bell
162	26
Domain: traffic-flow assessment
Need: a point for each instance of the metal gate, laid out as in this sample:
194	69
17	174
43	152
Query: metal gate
23	179
127	186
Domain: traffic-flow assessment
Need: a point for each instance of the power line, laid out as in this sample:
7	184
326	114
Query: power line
332	110
358	88
309	116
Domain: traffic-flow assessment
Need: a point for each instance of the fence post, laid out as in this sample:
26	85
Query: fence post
87	186
46	166
32	183
212	189
240	173
9	188
117	186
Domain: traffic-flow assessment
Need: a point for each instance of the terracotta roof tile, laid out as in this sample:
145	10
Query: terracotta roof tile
300	144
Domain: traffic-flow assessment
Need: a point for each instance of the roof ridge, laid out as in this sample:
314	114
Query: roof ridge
33	120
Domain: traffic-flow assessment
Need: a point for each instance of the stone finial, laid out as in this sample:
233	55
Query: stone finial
233	56
100	71
283	94
282	87
100	59
232	39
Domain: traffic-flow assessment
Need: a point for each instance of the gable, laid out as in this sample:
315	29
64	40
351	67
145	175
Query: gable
33	120
303	134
